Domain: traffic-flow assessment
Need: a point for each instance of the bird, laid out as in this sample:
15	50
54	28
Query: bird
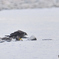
18	35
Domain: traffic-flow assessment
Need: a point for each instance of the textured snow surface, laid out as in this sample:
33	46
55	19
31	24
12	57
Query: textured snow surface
25	4
29	50
42	23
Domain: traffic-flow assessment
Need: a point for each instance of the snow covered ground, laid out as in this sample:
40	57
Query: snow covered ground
25	4
42	23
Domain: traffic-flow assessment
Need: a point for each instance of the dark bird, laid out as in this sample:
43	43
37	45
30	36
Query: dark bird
18	35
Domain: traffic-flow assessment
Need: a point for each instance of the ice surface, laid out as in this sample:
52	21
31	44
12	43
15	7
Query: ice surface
42	23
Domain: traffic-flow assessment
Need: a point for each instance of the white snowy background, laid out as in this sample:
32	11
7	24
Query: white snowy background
25	4
42	23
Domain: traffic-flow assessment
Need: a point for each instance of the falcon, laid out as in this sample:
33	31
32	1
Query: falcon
18	35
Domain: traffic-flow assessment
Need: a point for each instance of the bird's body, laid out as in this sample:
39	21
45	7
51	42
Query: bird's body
18	34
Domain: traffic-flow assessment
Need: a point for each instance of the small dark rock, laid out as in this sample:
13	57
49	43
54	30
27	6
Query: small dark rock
32	38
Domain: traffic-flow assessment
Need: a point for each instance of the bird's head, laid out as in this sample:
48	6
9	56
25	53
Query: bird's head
25	33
